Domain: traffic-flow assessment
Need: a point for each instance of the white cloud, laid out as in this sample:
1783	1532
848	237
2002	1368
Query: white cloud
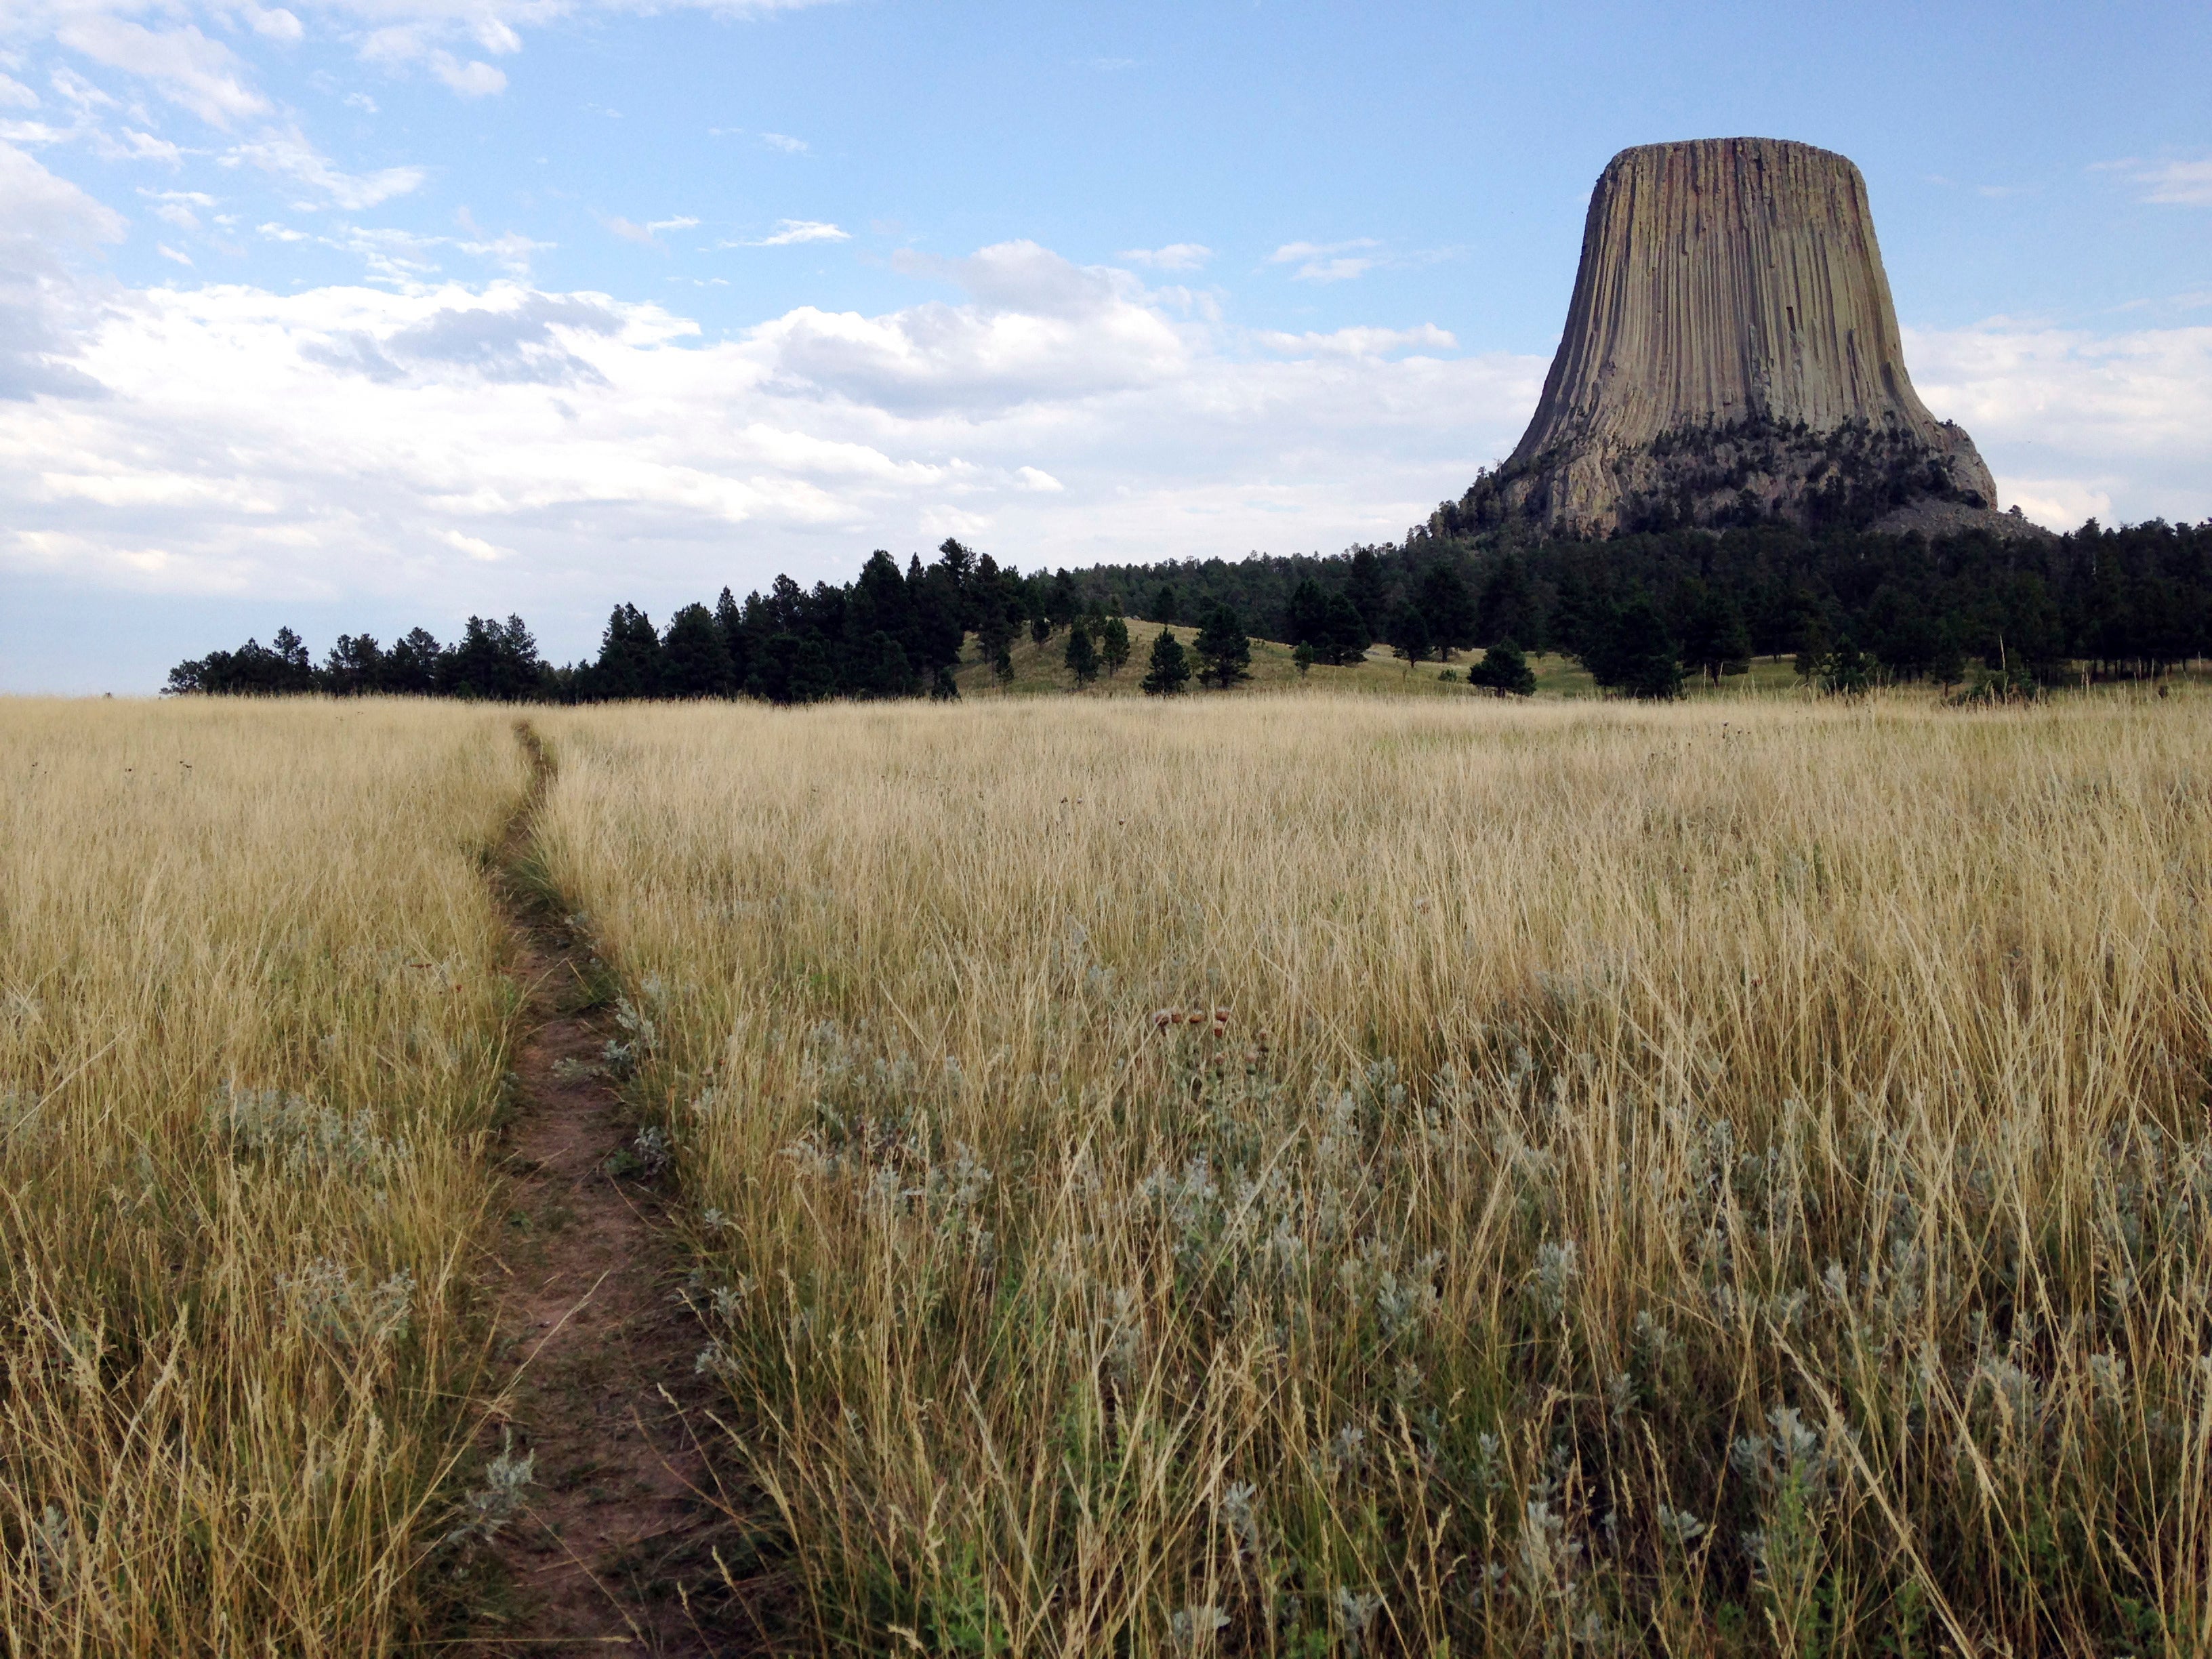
177	214
1055	412
360	100
2066	417
274	23
474	79
1361	341
169	252
790	232
784	142
14	95
2184	184
476	547
1177	256
288	154
201	74
1326	262
648	236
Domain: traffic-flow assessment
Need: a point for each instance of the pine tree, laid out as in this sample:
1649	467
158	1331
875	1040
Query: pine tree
1344	633
695	657
1409	635
1447	608
1114	645
1082	657
1224	655
1715	641
629	657
1638	656
1303	659
1307	619
1170	673
1504	671
1164	604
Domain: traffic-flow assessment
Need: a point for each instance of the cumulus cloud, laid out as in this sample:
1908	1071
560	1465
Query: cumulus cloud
44	221
784	142
1177	256
338	441
2068	419
649	234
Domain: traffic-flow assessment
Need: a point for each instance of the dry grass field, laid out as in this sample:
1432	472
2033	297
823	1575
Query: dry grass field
1284	1174
252	1028
1295	1176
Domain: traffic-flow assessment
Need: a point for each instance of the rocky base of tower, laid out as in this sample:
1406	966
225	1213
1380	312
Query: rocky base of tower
1747	472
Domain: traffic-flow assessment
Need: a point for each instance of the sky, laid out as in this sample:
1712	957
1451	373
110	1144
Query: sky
362	314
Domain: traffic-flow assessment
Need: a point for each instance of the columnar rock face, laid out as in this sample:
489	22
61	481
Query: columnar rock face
1731	353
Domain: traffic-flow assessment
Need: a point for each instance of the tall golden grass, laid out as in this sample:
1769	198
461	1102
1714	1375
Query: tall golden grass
1293	1177
252	1030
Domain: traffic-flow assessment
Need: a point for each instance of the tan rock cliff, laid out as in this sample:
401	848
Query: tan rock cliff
1731	352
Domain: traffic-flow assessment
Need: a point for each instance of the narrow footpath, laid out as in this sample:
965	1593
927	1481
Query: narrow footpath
615	1544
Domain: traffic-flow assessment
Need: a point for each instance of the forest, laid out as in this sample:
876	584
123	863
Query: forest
1642	612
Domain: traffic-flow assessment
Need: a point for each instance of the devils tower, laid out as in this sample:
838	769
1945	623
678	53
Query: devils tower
1731	354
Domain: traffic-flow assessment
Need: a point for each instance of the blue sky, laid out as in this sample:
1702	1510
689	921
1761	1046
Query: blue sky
365	313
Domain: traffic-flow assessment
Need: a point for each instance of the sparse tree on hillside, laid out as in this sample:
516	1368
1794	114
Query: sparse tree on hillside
1170	673
1114	645
1303	659
1504	671
1344	633
1082	657
1164	604
1224	655
1409	635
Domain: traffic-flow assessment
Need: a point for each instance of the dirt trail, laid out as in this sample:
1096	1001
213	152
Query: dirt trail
615	1545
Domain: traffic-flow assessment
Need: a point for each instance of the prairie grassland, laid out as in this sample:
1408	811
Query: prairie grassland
1298	1176
251	1034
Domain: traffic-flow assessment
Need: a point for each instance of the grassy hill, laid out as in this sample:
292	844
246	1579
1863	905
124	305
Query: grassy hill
1040	668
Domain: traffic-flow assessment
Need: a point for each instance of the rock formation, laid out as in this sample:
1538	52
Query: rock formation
1731	354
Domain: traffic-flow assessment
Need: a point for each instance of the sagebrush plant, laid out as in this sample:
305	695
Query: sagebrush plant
253	1030
1298	1176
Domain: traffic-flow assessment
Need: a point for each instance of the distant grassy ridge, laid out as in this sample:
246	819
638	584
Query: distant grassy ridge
1043	668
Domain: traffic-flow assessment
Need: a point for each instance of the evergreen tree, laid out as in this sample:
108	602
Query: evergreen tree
732	620
355	666
410	667
1169	671
1814	646
1306	621
1082	657
694	660
629	666
1715	641
1849	671
1507	610
1224	655
1447	608
1364	586
1345	634
1302	660
1114	645
1504	671
1409	635
1164	604
1637	653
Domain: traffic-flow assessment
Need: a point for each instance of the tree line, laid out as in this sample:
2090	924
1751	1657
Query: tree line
1642	612
889	633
